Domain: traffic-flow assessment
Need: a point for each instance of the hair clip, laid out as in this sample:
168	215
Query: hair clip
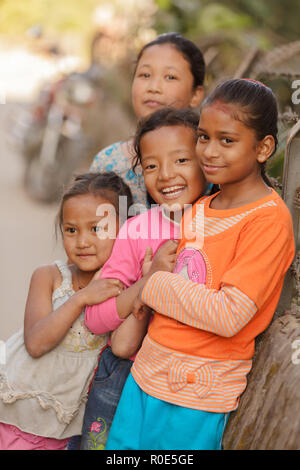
254	81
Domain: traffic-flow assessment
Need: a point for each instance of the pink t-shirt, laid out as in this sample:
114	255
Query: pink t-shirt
151	228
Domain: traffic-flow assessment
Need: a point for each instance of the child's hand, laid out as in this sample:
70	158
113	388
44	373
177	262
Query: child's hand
147	261
140	310
99	290
164	259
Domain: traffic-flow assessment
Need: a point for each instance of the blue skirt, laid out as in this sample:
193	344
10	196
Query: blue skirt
143	422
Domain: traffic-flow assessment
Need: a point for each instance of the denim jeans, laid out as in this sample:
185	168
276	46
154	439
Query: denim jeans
103	399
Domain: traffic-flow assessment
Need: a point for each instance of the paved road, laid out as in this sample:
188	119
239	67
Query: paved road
27	237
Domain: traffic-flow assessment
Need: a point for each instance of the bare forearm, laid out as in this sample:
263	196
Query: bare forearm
127	339
125	300
50	330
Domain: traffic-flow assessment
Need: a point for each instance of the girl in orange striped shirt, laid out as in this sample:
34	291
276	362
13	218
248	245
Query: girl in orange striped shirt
235	249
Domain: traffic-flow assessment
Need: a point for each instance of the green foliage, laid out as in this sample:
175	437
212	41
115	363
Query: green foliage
273	18
177	15
197	18
216	17
164	4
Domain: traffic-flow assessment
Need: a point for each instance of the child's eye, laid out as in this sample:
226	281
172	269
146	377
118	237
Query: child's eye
226	140
171	77
144	75
182	160
150	167
70	229
99	228
202	137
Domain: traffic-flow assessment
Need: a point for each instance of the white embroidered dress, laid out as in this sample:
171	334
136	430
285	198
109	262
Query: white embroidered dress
46	396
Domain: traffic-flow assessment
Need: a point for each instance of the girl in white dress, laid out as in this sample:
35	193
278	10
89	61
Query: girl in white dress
50	362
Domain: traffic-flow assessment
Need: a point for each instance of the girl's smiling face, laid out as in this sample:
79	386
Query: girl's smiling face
80	230
171	172
227	150
163	78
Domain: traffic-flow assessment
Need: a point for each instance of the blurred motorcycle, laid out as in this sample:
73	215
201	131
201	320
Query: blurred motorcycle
60	132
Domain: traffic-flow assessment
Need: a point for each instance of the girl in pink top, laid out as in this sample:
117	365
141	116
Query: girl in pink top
165	147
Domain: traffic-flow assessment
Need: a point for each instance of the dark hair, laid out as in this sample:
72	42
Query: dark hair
107	185
258	108
188	49
162	118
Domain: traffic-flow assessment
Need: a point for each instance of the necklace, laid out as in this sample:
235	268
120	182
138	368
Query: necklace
78	280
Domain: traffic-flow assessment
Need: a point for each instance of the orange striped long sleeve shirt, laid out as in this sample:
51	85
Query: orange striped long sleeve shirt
223	293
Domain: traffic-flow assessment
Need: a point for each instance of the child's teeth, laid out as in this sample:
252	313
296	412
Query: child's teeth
173	188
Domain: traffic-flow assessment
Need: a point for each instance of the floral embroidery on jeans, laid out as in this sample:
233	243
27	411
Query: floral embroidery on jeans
98	436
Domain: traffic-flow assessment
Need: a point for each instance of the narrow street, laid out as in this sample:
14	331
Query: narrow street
27	227
27	233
